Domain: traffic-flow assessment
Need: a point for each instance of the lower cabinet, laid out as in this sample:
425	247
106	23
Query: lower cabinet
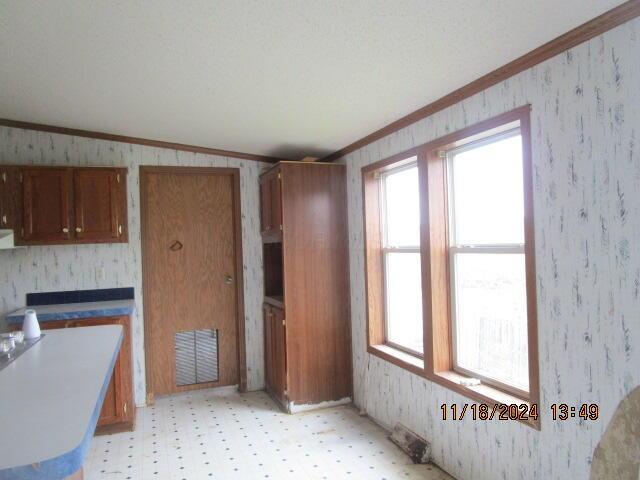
275	353
118	409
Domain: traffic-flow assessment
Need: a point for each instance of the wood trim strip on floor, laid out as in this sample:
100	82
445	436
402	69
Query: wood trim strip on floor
135	140
608	20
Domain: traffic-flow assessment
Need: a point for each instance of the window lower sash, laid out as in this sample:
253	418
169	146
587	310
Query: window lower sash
478	249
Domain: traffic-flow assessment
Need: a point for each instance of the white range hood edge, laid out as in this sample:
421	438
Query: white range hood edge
7	240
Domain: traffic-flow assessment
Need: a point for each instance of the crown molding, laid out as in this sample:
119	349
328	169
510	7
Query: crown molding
136	140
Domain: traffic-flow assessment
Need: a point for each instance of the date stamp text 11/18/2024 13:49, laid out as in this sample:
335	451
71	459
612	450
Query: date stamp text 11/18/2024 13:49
523	411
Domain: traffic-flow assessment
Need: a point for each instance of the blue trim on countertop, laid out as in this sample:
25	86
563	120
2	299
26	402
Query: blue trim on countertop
79	296
59	468
71	315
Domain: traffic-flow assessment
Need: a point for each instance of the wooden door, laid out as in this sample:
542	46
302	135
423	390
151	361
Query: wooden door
97	203
279	358
46	201
192	269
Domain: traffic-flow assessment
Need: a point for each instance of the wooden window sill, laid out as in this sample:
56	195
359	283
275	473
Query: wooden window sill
487	394
482	393
398	358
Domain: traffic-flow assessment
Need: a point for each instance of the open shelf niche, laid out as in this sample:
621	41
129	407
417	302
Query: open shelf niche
273	284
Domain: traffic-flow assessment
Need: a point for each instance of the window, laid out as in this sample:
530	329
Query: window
395	320
478	262
400	221
449	261
487	261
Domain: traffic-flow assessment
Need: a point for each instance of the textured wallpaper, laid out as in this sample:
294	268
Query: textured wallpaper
586	155
73	267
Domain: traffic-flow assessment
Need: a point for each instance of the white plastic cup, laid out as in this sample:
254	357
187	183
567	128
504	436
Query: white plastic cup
30	325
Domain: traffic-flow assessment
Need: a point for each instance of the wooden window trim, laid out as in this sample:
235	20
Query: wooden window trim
374	268
437	365
436	268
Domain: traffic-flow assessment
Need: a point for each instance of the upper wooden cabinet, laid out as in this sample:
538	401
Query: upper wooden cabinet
60	205
271	203
9	198
97	204
46	200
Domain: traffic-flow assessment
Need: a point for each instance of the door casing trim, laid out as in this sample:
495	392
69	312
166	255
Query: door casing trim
234	173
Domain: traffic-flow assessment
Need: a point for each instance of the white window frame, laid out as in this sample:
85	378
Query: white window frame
456	248
386	249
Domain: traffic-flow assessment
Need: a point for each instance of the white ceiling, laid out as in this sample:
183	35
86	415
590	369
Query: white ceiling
281	77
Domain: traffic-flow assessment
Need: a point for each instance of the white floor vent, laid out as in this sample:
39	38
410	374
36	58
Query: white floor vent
196	357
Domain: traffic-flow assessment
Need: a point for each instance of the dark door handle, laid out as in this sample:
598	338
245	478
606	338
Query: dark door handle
175	246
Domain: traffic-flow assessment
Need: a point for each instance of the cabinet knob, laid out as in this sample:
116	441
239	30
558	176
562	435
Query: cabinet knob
65	230
78	229
228	279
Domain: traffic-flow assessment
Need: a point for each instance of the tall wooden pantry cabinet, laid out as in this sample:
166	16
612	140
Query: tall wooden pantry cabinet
306	277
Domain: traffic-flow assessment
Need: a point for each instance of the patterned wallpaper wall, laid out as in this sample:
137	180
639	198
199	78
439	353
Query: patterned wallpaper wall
73	267
586	154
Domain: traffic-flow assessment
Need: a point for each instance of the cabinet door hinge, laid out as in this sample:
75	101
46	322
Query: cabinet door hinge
280	227
20	177
284	322
125	408
279	176
4	177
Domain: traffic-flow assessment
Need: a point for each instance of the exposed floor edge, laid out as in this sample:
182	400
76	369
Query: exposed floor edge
293	408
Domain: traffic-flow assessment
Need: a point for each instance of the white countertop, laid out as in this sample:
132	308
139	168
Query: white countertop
50	395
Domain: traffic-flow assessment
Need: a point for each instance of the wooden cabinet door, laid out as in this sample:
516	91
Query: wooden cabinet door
268	348
53	324
9	198
279	346
271	203
96	196
46	197
265	204
275	193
